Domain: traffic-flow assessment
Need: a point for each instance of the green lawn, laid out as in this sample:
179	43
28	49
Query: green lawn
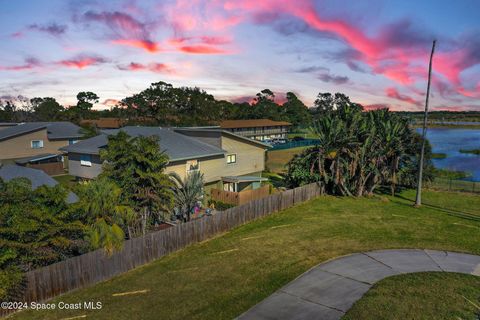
277	159
429	295
66	181
223	277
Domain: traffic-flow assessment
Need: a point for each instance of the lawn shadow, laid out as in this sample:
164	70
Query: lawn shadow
452	212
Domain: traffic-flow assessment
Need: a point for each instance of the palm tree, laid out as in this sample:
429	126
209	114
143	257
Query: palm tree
102	208
187	192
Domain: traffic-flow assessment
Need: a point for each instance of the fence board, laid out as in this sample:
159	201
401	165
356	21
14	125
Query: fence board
93	267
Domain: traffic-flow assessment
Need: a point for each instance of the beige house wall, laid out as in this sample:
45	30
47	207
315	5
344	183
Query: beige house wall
250	160
20	147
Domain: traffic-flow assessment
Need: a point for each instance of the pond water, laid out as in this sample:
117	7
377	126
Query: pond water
450	141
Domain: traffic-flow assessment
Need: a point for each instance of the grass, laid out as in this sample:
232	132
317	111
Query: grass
66	181
277	159
429	295
223	277
472	151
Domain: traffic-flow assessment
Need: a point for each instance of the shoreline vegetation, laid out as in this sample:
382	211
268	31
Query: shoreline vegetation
470	151
448	126
439	155
450	174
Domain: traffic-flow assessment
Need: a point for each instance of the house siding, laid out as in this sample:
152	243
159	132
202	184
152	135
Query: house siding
20	146
77	170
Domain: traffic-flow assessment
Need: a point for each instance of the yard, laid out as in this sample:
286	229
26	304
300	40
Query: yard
223	277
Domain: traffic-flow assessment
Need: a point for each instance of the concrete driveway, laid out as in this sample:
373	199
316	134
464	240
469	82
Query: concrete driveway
328	290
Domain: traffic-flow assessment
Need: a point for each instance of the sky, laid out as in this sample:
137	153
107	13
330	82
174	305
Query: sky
375	51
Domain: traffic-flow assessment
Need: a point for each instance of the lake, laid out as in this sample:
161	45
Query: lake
450	141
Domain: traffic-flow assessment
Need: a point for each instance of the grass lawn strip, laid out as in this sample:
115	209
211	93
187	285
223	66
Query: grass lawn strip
225	285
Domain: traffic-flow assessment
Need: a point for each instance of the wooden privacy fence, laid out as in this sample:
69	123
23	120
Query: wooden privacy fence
239	198
95	266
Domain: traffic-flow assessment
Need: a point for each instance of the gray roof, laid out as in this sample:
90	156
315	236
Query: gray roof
37	157
55	130
37	177
177	146
225	132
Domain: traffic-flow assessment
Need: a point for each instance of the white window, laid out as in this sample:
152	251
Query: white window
72	141
37	144
229	186
192	165
231	158
86	160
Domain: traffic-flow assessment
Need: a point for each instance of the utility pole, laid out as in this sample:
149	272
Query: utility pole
418	199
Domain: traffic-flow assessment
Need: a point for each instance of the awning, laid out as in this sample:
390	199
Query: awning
237	179
38	157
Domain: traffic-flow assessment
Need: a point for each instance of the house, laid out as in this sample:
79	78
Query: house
257	129
37	178
37	144
228	161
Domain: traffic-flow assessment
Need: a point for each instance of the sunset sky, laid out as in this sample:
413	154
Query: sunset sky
374	51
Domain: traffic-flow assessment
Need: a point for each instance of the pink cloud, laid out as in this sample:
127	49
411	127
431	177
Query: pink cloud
152	67
82	61
125	29
146	45
394	94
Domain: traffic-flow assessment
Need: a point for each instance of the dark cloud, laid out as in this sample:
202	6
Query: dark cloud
312	69
52	28
327	77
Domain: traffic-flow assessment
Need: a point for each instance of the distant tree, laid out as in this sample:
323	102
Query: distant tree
156	101
137	166
296	112
7	111
85	100
36	229
188	192
327	103
264	106
46	109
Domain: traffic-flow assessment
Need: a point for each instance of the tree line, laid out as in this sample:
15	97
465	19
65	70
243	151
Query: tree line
160	104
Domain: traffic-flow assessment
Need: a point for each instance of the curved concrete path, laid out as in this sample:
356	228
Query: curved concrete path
328	290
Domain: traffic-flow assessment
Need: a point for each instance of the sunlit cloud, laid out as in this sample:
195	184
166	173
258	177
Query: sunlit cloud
82	61
152	67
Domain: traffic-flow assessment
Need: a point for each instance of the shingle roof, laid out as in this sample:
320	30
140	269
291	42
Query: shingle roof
37	177
177	146
37	157
55	130
250	123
